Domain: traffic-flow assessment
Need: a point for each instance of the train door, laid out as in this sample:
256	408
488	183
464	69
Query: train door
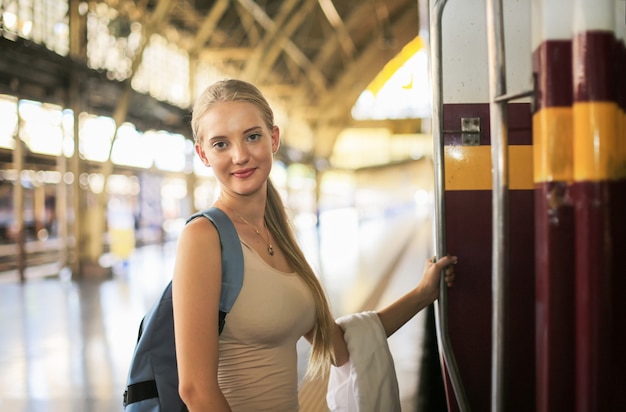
467	209
532	201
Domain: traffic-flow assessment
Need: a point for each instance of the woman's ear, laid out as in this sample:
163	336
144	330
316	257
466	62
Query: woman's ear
202	154
275	139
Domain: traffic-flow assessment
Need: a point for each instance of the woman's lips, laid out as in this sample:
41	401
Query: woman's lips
244	173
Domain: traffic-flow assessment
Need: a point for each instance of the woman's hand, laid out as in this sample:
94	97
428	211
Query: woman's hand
402	310
432	275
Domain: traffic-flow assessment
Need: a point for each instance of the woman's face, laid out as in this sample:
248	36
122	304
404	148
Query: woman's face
236	142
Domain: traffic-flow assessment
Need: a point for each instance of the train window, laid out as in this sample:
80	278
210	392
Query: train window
42	21
43	127
8	120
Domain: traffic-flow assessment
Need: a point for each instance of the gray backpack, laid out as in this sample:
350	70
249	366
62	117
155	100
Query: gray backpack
152	383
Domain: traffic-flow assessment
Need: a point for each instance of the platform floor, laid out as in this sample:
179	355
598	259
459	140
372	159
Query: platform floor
65	346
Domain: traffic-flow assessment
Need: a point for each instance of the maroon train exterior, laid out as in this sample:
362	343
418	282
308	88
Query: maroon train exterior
565	335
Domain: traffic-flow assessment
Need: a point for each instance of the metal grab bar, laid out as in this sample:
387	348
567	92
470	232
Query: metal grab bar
441	305
500	201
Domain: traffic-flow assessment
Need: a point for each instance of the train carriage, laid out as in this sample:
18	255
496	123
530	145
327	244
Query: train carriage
532	193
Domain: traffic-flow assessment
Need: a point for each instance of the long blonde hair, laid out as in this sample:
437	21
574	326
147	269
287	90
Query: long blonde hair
276	219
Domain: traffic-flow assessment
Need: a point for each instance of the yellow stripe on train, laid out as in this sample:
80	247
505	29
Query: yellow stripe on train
469	167
598	151
553	144
621	143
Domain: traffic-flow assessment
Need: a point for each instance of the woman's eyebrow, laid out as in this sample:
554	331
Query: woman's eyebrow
217	137
252	129
248	130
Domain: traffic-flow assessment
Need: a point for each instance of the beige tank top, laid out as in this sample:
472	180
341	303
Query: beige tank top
257	355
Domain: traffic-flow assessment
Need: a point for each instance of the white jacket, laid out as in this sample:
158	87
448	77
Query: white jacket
368	382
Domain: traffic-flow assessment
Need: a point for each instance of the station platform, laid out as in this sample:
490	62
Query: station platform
65	346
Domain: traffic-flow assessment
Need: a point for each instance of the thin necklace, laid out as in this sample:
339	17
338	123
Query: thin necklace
270	248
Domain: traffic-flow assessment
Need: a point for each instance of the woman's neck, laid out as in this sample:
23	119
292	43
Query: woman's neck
247	210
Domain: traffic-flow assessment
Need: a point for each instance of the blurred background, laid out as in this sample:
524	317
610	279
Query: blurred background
99	174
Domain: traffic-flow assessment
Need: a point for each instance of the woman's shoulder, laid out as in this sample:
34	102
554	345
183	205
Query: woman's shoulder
198	254
200	226
200	234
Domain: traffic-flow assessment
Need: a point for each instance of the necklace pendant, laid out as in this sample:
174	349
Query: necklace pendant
270	248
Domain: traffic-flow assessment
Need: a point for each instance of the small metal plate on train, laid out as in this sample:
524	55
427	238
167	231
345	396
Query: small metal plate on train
470	131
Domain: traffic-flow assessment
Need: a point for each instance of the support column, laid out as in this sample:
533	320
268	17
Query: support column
18	198
617	189
60	211
554	211
39	207
74	244
595	156
189	203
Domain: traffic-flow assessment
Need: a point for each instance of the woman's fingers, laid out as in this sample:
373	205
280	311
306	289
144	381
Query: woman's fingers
444	261
445	264
449	276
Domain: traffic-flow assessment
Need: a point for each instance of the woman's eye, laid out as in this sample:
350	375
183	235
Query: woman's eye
254	137
219	145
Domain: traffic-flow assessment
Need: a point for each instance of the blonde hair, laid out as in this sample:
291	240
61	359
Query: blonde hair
229	91
277	221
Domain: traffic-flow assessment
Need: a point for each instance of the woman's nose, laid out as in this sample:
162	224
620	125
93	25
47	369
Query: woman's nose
240	154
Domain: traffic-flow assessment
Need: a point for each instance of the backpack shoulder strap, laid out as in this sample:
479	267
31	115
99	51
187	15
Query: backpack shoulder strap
158	341
232	258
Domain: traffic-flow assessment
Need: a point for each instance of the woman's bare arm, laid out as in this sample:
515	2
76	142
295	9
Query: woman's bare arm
394	316
196	292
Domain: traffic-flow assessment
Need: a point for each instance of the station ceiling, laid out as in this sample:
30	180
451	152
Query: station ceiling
312	57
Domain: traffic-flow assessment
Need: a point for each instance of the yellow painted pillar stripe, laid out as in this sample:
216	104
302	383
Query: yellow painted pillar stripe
621	145
597	154
469	167
552	145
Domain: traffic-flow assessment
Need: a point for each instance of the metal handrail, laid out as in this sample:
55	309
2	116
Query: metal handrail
500	201
441	305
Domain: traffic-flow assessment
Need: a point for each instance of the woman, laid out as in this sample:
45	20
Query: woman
251	366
